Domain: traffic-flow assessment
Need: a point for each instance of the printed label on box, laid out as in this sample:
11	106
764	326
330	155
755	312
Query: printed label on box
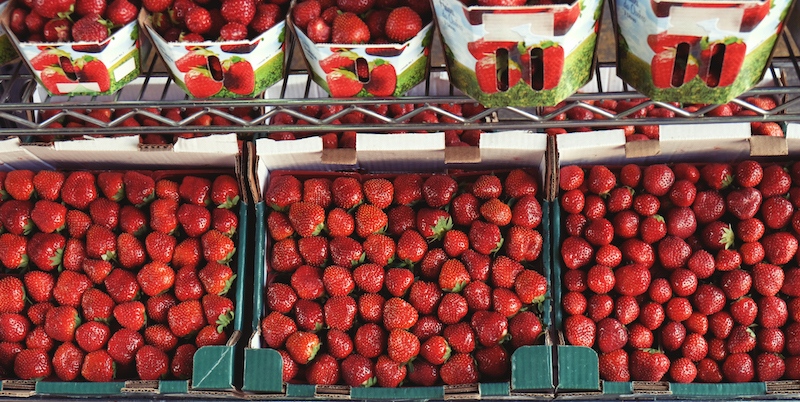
707	52
519	56
224	69
393	68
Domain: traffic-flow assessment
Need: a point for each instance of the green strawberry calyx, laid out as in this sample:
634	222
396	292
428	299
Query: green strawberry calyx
727	237
359	260
227	257
55	260
370	382
109	255
223	320
443	225
228	284
498	246
23	261
150	197
229	202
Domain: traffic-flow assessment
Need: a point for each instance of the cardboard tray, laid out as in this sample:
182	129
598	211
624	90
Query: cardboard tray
264	54
531	375
120	53
652	34
409	60
578	373
216	368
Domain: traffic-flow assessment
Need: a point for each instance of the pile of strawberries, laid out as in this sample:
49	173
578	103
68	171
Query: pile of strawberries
174	114
347	139
52	20
414	278
651	132
354	22
204	20
684	273
113	275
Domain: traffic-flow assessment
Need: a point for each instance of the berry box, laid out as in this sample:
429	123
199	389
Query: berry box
98	68
234	69
333	66
699	51
519	56
214	364
527	371
7	51
674	329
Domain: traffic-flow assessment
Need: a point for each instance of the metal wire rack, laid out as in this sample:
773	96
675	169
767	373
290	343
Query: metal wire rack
20	100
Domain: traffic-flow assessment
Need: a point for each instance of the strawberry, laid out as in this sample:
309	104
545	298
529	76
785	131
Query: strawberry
130	314
388	373
358	371
94	70
738	367
340	311
485	238
302	346
398	281
217	247
19	184
181	365
79	190
90	28
323	370
48	184
92	335
13	251
32	364
348	28
435	350
52	76
459	369
15	216
67	361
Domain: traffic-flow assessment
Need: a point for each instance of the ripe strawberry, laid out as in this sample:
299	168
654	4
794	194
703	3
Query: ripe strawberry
323	370
15	216
738	367
13	251
343	83
19	184
32	364
459	369
98	366
302	346
181	365
283	191
340	312
123	345
48	184
402	346
217	247
186	318
348	28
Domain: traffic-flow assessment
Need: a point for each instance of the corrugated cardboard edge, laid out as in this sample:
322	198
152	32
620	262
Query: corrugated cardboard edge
783	387
639	149
339	156
332	392
462	391
765	145
462	155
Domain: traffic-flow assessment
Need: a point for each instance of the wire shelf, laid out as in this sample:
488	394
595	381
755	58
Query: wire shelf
21	99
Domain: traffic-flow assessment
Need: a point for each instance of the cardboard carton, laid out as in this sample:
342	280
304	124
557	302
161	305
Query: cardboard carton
519	56
530	374
239	69
7	51
215	367
407	64
113	62
698	51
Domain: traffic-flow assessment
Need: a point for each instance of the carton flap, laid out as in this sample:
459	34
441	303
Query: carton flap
793	138
765	145
415	152
578	368
707	142
639	149
530	368
456	155
262	368
213	367
606	146
508	149
300	154
217	143
15	157
128	143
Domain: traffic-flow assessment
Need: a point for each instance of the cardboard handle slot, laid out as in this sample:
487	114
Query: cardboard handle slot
501	64
681	62
68	67
362	70
715	66
537	68
215	68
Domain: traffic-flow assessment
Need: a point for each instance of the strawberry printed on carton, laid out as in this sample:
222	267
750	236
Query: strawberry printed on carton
721	61
201	84
552	65
667	74
238	76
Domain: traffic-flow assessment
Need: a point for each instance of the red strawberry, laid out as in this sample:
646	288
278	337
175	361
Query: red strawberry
459	369
201	84
238	74
348	28
343	83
